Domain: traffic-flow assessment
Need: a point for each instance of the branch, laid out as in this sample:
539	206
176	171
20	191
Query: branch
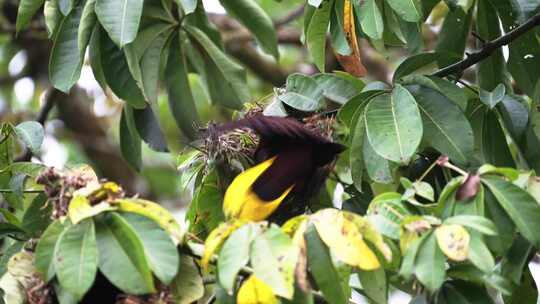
291	16
489	48
23	191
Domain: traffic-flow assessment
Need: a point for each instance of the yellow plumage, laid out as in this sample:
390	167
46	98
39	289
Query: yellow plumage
242	203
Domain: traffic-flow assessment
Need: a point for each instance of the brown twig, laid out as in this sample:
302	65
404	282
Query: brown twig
291	16
489	48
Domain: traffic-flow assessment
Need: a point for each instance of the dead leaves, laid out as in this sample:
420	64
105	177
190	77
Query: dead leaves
352	63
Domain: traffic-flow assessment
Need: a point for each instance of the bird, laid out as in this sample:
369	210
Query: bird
290	166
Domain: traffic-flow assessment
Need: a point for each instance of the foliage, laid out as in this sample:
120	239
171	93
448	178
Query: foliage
440	194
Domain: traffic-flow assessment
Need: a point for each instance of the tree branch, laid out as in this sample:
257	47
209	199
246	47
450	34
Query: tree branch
291	16
489	48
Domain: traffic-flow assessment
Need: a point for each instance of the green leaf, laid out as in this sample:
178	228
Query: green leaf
453	34
226	80
52	15
409	10
321	266
76	258
409	257
303	93
117	73
386	211
479	254
523	58
356	155
461	292
147	126
421	64
181	101
257	21
374	285
43	256
487	132
522	208
516	260
200	20
336	87
10	251
66	6
31	134
206	211
478	223
65	62
451	90
378	168
94	56
447	131
515	115
160	250
144	57
25	168
121	252
120	18
348	110
234	255
491	99
188	286
526	291
188	6
316	33
370	18
505	226
27	10
491	70
86	27
393	125
337	33
37	216
267	264
429	264
130	141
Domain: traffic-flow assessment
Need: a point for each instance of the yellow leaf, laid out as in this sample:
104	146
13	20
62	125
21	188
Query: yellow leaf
344	239
21	267
255	291
369	233
453	241
80	208
292	225
411	228
351	63
155	212
216	238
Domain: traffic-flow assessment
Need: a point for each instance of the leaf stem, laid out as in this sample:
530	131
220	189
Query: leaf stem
455	168
433	164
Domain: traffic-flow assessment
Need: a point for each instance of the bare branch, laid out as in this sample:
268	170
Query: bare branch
489	48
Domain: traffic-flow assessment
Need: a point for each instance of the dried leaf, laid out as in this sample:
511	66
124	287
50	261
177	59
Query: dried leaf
351	63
